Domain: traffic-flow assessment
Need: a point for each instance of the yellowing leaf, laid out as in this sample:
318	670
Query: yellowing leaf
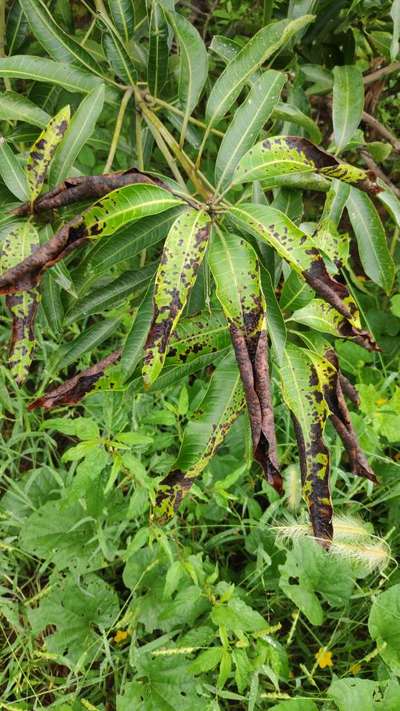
43	150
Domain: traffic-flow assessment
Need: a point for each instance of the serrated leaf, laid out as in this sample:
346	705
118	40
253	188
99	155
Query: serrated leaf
43	150
57	43
182	255
193	66
371	239
303	381
220	407
12	172
247	122
257	50
348	103
15	107
77	134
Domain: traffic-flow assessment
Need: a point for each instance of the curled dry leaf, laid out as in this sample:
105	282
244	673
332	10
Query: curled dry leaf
74	389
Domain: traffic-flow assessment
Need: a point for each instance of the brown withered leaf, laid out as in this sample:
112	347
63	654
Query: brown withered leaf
340	418
74	389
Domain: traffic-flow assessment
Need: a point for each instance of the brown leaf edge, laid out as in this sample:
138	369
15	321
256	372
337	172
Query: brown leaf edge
74	389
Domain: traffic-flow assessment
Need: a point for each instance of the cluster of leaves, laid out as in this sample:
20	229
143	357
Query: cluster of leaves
241	333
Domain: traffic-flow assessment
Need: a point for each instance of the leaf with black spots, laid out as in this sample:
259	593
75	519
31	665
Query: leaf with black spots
43	150
182	255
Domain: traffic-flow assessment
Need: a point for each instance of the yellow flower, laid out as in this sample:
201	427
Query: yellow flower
381	401
121	636
355	668
324	658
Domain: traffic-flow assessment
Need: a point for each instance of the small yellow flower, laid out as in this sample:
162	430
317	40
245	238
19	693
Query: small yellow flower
121	636
381	401
355	668
324	658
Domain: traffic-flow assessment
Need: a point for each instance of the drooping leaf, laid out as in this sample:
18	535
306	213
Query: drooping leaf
57	43
123	15
299	250
43	150
78	132
327	237
302	382
371	239
12	172
15	107
182	255
157	64
221	406
235	270
284	111
348	102
19	243
275	321
247	123
74	389
279	155
257	50
321	316
193	65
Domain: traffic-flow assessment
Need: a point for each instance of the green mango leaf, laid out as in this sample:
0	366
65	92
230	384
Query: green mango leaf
247	122
371	239
321	316
391	203
275	321
219	409
193	65
135	341
279	155
123	15
384	626
78	132
124	205
91	337
303	381
182	255
395	15
258	49
15	107
57	43
46	70
80	612
291	112
43	151
12	172
119	59
348	103
157	63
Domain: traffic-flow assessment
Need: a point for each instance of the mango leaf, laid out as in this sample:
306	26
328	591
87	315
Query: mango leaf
193	65
247	122
328	239
182	255
219	409
46	70
391	203
15	107
135	341
265	42
275	321
348	103
321	316
371	239
299	250
303	381
11	172
157	64
78	132
119	58
234	266
57	43
290	112
123	15
280	155
384	626
395	15
43	150
19	243
91	337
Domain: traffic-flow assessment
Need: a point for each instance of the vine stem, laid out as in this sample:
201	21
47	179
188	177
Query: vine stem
117	130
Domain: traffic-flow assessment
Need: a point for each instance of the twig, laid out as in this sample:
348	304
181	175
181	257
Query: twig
178	112
381	129
117	130
378	171
374	76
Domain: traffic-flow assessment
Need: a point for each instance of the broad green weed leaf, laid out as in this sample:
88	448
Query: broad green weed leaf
43	151
355	694
247	122
348	103
384	626
183	253
371	239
